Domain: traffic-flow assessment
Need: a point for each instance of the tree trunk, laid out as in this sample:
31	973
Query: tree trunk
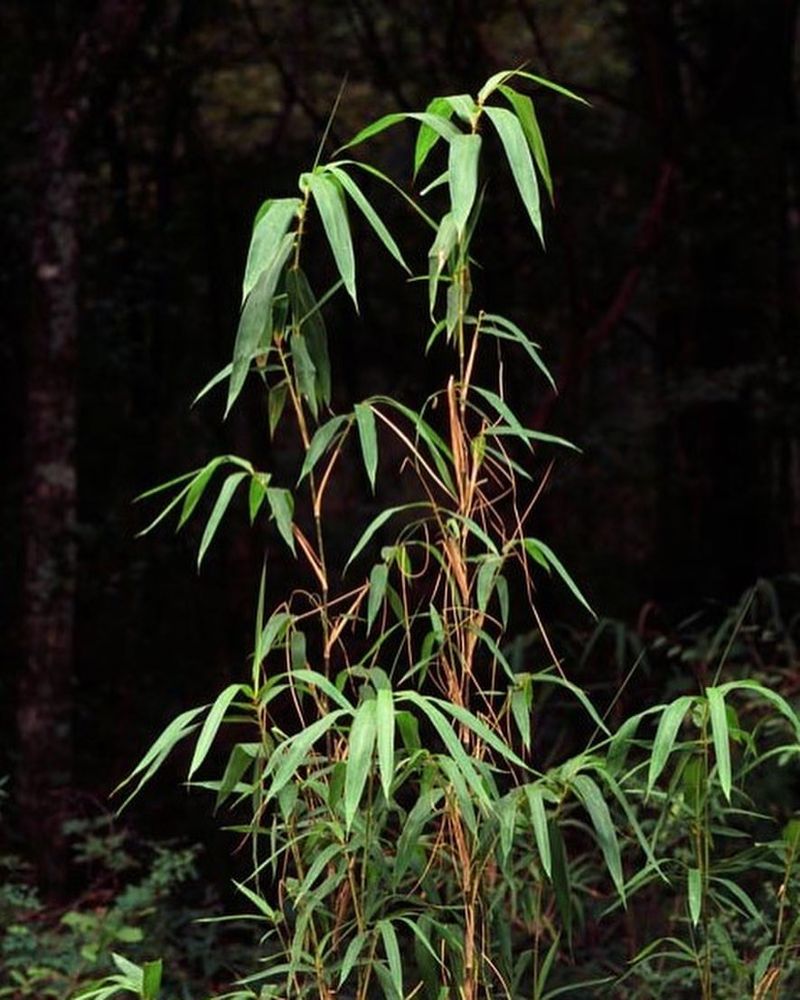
64	96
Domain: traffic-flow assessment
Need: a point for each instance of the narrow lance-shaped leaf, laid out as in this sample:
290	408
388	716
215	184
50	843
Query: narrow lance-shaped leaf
392	949
268	233
224	498
592	798
664	740
330	204
721	737
281	503
526	113
694	892
172	734
320	443
384	720
438	255
369	213
254	318
359	758
539	823
308	320
519	159
378	579
211	725
463	177
553	561
368	437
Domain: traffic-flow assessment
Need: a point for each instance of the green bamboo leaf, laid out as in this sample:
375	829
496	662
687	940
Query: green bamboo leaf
376	524
526	113
268	233
695	894
215	380
463	177
392	951
480	729
521	703
211	725
351	956
384	721
550	85
300	675
503	329
592	798
378	579
321	443
328	198
369	213
257	492
535	545
359	758
241	757
519	159
292	753
438	255
464	107
464	796
503	410
721	737
254	318
281	503
668	726
276	402
539	821
197	488
368	437
428	136
768	695
151	979
171	735
308	321
217	512
487	574
305	372
452	743
507	817
297	650
577	692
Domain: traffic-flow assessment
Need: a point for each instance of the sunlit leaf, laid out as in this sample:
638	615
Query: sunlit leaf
360	748
463	177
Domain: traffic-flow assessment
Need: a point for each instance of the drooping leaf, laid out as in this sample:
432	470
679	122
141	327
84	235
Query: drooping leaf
225	495
369	213
254	318
392	951
257	492
305	372
538	815
384	721
377	523
463	177
427	136
552	560
320	443
378	579
211	725
359	758
281	503
592	798
439	253
308	320
519	159
276	403
721	736
664	740
694	892
368	437
268	232
328	198
526	113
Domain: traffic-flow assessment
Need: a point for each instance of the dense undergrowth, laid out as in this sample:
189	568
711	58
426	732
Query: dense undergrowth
436	806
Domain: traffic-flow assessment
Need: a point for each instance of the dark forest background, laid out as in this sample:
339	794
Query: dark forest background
140	138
